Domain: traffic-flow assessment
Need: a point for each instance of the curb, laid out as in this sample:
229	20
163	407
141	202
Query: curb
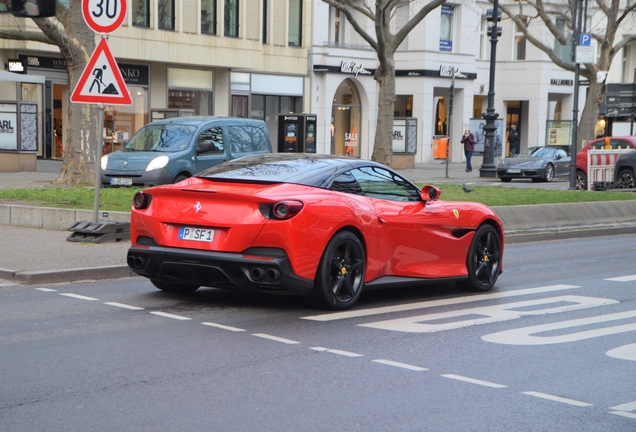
66	275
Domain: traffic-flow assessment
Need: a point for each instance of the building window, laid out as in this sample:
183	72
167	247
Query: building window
208	17
564	52
190	90
265	21
166	14
295	23
231	21
336	29
140	13
239	106
520	41
483	39
446	28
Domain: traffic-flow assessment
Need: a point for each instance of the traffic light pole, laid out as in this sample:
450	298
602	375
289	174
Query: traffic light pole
488	168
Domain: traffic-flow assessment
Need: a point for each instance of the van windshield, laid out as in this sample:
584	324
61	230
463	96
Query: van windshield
161	138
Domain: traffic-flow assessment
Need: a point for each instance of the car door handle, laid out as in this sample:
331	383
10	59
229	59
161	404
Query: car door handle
382	221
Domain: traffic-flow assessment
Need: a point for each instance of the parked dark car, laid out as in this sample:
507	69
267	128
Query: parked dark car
536	163
624	171
171	150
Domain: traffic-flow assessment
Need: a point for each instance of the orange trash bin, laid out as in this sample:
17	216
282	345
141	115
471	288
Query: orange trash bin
439	147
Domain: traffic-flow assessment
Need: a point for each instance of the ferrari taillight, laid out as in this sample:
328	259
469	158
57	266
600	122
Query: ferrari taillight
286	209
141	201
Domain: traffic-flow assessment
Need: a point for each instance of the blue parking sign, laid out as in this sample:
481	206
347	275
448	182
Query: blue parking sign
585	39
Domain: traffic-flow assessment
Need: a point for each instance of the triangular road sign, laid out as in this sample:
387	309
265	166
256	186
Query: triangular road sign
101	81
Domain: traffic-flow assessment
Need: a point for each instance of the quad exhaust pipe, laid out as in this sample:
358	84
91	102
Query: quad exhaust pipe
270	275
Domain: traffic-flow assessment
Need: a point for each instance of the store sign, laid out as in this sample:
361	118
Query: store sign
399	134
134	74
447	71
43	62
561	82
353	68
16	66
8	124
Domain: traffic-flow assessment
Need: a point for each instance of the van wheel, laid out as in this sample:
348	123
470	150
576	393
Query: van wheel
180	177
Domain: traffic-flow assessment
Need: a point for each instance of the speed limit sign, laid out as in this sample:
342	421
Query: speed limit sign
104	16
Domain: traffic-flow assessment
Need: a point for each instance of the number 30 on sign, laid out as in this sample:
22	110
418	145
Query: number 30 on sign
104	16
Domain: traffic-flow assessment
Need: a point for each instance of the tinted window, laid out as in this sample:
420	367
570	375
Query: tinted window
380	183
561	154
346	182
247	139
161	138
214	137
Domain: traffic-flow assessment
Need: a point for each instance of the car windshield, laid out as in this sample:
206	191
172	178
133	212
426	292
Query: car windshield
161	138
538	152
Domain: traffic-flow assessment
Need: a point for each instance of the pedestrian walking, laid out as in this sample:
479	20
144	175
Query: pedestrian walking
469	147
513	141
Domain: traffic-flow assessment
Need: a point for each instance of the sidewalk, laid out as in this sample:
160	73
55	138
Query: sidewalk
42	256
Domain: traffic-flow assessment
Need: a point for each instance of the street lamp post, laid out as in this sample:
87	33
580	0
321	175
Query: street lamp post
488	168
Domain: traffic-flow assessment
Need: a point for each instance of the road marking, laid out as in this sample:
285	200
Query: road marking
77	296
46	290
167	315
123	306
630	406
435	303
626	352
624	414
400	365
334	351
524	336
436	322
474	381
223	327
557	399
623	279
275	338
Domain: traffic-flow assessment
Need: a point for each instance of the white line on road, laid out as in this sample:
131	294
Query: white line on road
474	381
334	351
123	306
400	365
435	303
557	399
623	279
630	406
624	414
77	296
167	315
223	327
46	289
275	338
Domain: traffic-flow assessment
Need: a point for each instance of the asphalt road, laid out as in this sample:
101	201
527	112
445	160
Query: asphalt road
120	355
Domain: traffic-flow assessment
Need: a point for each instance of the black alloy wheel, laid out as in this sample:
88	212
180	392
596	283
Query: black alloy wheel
581	180
625	179
174	288
340	277
483	260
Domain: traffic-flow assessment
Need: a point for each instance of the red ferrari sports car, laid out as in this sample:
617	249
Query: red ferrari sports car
323	227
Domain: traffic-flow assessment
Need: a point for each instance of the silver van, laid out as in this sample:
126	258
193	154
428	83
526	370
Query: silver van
171	150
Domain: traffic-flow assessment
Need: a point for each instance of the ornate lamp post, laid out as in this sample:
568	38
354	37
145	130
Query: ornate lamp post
488	168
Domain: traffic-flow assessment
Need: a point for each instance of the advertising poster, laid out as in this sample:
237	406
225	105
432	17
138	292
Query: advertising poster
399	135
476	127
559	133
8	127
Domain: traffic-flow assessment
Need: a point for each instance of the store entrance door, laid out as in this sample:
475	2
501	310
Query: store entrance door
60	103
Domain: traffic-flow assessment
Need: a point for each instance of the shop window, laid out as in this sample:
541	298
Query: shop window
336	32
199	102
208	17
403	106
345	120
122	121
140	10
520	41
239	106
446	28
231	18
166	14
295	23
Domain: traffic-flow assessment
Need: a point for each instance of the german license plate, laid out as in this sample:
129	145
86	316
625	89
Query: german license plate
120	181
514	171
196	234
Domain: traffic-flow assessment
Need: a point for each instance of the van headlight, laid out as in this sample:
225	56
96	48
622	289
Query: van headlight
158	162
104	162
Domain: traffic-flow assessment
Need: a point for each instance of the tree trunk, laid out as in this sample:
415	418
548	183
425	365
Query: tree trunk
382	146
589	115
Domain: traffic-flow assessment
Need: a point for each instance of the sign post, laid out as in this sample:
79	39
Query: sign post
101	82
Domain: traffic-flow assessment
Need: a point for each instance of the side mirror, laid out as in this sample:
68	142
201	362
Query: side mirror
33	8
431	193
204	146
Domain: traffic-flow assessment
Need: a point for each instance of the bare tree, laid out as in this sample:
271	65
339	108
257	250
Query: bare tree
604	18
76	42
385	43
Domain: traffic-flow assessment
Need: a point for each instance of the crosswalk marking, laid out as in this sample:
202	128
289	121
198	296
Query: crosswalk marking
557	399
223	327
123	306
630	406
623	279
46	290
474	381
400	365
334	351
168	315
276	338
79	297
624	414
